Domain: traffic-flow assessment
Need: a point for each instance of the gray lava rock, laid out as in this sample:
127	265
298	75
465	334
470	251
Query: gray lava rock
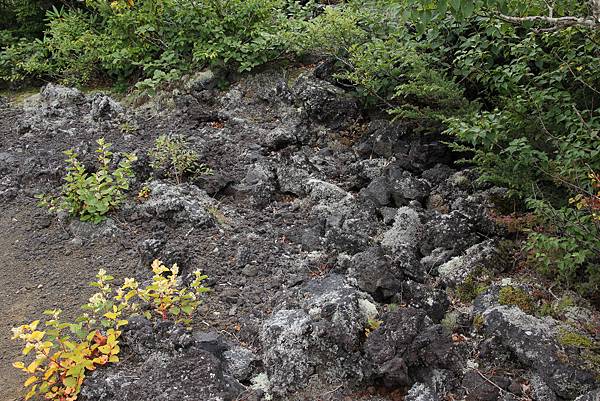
56	101
433	301
407	347
438	174
379	190
540	390
86	231
456	231
168	364
259	183
104	108
325	192
480	256
406	231
292	179
405	187
241	362
376	274
593	395
201	80
383	138
421	392
325	102
193	375
279	138
346	224
533	342
285	336
179	203
438	257
320	340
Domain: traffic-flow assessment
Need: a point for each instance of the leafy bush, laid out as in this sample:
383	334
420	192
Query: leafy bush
168	301
382	59
152	41
539	136
172	155
90	196
63	352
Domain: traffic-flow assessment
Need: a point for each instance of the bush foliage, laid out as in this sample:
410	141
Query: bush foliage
90	196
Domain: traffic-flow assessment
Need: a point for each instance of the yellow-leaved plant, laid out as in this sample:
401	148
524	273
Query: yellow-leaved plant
169	301
58	354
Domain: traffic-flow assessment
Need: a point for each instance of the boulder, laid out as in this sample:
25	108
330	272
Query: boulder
533	341
347	224
319	340
167	364
407	347
405	187
179	204
406	231
376	274
325	102
482	256
104	107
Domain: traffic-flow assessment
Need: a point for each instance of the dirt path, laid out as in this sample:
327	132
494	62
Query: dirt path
42	269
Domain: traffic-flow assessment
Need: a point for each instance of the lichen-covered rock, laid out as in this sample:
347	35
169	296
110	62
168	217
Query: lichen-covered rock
57	97
406	231
593	395
482	256
407	347
325	192
179	204
534	343
324	102
240	362
421	392
259	183
320	340
103	107
405	187
292	178
167	364
433	301
540	390
347	224
457	231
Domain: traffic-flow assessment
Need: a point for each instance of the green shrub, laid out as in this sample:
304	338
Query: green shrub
173	156
90	196
382	59
152	41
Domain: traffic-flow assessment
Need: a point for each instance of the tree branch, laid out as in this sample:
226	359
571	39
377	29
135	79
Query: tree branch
562	22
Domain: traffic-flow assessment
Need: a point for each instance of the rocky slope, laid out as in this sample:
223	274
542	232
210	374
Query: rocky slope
319	226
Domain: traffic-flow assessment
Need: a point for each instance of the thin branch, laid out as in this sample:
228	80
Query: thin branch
502	391
562	22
